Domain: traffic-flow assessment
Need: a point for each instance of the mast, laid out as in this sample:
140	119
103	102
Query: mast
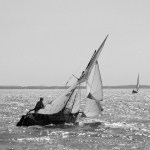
90	65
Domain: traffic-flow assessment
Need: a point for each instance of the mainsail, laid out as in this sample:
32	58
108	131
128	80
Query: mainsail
59	103
94	94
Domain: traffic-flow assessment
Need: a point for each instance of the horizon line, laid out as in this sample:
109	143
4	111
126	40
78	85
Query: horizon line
64	87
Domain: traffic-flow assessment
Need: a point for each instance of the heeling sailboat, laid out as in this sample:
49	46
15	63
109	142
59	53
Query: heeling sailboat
137	86
60	111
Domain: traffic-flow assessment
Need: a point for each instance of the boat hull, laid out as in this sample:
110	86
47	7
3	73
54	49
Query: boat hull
134	91
45	119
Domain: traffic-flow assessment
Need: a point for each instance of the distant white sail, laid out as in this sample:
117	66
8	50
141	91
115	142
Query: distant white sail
93	106
138	84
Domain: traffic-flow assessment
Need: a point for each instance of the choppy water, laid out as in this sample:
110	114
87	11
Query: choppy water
125	123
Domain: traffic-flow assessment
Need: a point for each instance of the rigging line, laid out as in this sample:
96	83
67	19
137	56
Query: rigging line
69	98
91	58
75	77
74	101
76	96
80	91
68	80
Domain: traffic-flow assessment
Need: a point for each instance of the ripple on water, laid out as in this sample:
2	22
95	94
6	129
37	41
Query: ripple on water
124	124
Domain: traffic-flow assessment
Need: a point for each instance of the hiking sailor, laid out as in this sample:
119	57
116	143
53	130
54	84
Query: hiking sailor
39	105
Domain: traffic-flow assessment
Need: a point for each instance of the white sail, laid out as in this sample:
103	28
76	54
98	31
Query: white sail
93	106
138	84
59	103
96	88
76	105
71	100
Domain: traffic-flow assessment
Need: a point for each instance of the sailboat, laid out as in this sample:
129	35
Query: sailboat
66	107
137	86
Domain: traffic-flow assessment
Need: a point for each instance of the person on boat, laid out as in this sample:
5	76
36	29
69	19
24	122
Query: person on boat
39	105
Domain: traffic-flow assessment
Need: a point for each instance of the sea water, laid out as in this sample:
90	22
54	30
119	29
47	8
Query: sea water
123	125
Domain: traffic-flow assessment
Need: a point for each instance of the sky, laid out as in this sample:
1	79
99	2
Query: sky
44	42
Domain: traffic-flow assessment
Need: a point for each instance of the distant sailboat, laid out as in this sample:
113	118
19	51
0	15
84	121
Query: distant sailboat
65	108
137	86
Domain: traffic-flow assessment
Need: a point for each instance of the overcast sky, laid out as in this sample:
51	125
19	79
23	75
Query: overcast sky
44	42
